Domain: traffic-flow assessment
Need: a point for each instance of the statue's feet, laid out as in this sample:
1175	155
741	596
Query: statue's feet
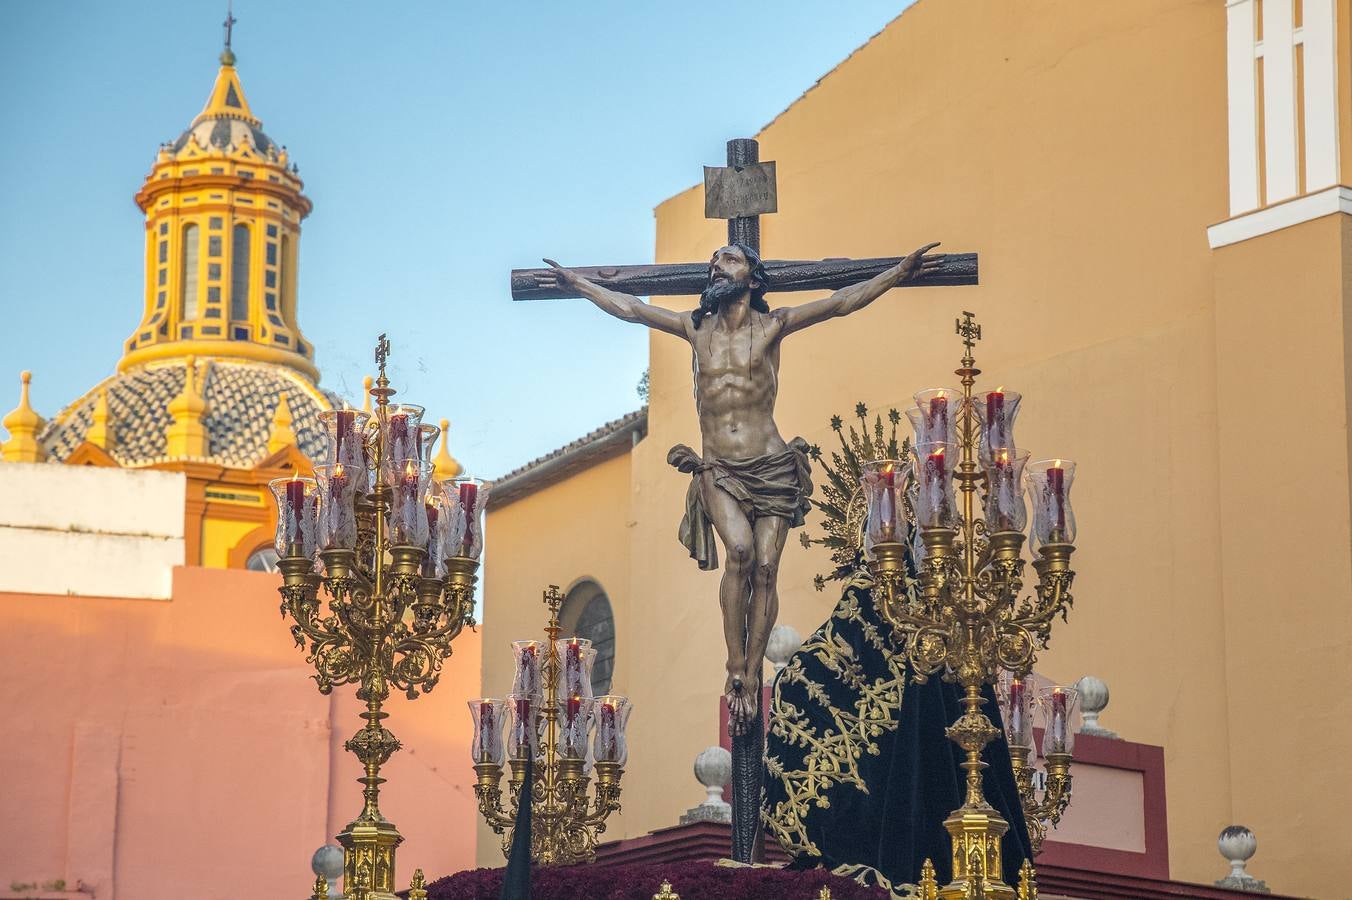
743	695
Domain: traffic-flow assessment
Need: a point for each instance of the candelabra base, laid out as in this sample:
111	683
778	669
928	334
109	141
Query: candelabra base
368	859
978	861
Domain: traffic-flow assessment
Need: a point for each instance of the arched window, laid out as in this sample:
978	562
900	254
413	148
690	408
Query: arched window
286	277
586	614
188	277
264	559
239	274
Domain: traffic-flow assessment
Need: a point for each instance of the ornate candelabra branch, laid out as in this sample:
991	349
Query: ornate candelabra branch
396	553
949	576
551	698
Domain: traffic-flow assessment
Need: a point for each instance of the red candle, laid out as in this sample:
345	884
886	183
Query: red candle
295	498
938	418
397	433
346	419
935	464
1058	719
995	419
574	707
1056	485
523	724
486	731
611	738
887	505
1016	692
469	498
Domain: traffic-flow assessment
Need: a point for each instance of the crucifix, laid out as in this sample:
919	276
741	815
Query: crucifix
749	486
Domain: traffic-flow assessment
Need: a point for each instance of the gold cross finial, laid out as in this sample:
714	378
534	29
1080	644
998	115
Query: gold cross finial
383	353
553	599
968	329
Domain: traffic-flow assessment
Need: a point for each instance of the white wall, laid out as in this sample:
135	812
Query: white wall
90	531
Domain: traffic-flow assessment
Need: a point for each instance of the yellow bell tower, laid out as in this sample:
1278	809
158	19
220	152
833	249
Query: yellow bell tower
223	208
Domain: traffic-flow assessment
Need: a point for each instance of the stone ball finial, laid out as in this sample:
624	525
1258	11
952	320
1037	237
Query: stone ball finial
1238	845
327	863
783	644
1093	700
713	769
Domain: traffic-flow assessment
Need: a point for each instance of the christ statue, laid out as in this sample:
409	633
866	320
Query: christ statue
749	485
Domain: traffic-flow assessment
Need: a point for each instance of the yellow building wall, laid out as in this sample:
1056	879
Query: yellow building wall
1080	148
574	529
1282	338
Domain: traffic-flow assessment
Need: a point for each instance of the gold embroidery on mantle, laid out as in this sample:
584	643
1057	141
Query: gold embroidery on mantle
832	754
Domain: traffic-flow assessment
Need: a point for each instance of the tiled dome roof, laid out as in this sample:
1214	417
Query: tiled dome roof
241	399
225	133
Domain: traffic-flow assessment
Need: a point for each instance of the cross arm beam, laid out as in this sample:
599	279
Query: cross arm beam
785	275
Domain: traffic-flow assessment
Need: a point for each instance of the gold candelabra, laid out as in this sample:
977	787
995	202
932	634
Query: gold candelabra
400	589
962	613
565	820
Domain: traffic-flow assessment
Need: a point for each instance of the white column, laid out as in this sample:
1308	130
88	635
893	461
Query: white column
1243	103
1318	34
1281	159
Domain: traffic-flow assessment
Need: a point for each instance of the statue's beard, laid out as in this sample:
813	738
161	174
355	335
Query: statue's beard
721	291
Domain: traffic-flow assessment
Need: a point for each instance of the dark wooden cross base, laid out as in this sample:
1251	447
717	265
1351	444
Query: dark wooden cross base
740	192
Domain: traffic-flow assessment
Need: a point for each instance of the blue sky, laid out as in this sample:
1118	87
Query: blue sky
442	144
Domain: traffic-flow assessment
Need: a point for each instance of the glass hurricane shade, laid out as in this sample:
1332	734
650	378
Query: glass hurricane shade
934	418
526	668
338	487
408	505
346	432
401	441
487	714
1049	482
523	734
574	717
934	466
466	500
297	513
995	412
1059	714
438	535
612	718
575	663
1005	509
1016	707
884	486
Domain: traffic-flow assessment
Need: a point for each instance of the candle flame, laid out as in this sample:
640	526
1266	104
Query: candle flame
1004	456
1056	464
411	467
295	474
937	453
999	390
337	470
939	396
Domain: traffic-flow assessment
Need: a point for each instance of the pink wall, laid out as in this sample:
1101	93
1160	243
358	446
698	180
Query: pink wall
157	747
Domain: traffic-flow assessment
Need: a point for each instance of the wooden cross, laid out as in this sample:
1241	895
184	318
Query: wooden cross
740	192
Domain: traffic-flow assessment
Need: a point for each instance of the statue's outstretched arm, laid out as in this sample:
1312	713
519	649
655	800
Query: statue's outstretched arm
621	306
857	296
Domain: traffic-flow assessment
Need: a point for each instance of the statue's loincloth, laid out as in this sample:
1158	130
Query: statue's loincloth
776	484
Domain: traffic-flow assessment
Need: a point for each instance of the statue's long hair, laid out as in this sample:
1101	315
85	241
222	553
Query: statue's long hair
760	283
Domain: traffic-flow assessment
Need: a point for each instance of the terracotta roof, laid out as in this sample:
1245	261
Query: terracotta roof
611	439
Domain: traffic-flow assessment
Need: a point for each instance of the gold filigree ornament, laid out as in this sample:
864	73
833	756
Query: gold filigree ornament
842	503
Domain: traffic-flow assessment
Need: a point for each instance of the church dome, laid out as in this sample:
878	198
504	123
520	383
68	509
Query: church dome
224	134
241	398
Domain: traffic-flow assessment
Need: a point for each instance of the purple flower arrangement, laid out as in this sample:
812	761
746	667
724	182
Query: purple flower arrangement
696	880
